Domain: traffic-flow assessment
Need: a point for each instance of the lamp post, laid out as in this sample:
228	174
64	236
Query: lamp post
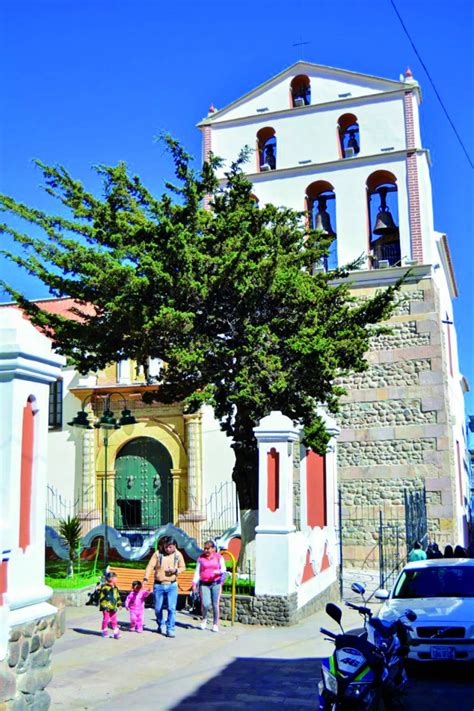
106	423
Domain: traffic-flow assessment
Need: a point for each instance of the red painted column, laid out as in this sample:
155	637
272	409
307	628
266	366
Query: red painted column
273	480
26	476
413	182
3	579
316	506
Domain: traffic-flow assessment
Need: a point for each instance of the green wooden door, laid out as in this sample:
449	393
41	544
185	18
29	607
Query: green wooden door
143	494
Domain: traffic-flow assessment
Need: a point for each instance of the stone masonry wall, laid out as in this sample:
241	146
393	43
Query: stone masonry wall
405	335
395	433
389	413
26	670
405	372
377	493
404	451
275	610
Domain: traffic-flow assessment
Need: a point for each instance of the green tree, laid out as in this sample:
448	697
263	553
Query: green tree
70	529
227	297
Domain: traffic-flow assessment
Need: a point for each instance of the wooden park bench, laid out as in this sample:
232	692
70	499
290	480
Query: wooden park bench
126	576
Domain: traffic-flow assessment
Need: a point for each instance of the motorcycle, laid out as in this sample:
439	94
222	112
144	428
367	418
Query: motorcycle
366	670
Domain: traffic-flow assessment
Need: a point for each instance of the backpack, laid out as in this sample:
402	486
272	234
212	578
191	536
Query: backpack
94	596
175	560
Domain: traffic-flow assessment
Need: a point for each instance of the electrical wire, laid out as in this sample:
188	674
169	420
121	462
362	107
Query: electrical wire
432	84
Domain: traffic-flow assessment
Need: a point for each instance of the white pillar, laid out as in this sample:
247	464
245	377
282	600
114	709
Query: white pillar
194	453
123	372
27	367
276	436
89	513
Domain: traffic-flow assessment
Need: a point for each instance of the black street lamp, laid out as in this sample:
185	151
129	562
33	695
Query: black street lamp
107	422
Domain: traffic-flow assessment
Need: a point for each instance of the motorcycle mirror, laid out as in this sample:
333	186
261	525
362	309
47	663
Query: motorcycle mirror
358	588
334	612
410	615
381	594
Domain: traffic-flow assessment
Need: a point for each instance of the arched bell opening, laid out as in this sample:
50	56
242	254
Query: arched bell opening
349	135
321	210
384	235
266	148
300	91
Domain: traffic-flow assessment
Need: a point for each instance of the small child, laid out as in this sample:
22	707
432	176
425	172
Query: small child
135	604
109	603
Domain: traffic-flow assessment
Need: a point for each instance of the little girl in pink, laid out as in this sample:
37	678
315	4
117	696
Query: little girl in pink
135	604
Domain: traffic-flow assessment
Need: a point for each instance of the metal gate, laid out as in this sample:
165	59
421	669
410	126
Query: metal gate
389	538
416	523
143	493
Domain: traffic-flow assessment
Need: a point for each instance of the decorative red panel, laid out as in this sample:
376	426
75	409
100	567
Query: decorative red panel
325	562
316	489
308	571
3	579
26	475
273	480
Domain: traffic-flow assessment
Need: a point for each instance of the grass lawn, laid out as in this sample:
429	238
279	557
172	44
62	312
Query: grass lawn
88	573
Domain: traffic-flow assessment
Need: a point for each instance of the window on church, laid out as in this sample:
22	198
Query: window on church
266	149
300	91
384	236
349	138
320	206
55	413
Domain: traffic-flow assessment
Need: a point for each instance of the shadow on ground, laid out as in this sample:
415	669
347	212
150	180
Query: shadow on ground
258	685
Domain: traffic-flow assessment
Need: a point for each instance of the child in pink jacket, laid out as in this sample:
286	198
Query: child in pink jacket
135	604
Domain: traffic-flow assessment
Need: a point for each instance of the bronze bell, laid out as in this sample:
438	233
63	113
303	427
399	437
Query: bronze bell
322	223
352	142
384	224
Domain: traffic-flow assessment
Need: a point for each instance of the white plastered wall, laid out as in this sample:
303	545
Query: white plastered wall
217	456
325	86
456	414
349	182
312	134
27	367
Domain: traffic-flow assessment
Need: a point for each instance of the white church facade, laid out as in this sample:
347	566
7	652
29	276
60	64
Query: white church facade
346	149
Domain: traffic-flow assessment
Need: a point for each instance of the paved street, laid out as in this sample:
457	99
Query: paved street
242	667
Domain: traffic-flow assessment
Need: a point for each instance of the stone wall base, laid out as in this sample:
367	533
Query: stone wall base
72	597
276	610
26	670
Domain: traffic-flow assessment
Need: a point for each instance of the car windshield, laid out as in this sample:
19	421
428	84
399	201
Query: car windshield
440	581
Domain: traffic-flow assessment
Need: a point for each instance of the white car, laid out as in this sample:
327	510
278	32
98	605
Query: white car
441	592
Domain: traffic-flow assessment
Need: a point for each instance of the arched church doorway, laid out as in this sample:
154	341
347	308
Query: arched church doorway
143	485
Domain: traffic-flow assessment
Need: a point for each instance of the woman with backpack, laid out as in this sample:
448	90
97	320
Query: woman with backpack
165	565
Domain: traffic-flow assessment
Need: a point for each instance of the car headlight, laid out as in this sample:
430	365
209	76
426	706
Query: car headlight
330	681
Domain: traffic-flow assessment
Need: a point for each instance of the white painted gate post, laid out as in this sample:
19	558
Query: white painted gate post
275	573
27	367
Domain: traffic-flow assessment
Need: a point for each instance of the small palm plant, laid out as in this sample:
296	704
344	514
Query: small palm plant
70	529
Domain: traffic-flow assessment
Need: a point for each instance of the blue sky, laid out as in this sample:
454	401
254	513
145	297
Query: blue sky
96	81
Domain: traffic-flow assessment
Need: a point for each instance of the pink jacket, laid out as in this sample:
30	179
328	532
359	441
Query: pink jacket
210	569
136	600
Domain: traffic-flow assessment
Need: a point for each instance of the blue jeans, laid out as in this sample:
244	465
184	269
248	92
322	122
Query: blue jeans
210	594
171	592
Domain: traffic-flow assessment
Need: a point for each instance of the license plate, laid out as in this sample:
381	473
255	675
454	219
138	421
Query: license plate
443	653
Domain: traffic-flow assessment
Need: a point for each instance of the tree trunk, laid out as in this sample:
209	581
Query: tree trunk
245	475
